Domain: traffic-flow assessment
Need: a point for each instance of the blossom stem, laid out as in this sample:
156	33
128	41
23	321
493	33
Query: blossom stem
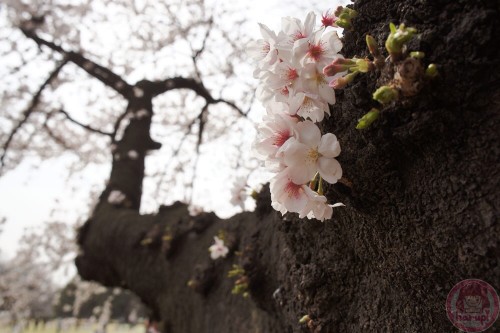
314	182
320	186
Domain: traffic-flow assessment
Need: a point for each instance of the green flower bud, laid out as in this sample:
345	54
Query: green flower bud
372	46
345	15
368	119
363	65
417	54
431	71
385	95
398	37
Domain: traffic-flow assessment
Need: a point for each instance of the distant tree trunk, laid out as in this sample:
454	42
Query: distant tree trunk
422	205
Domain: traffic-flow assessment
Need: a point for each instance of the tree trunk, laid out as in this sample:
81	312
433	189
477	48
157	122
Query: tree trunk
421	190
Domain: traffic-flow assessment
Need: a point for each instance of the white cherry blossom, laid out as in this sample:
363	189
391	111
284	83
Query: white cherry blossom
239	192
315	82
317	207
294	87
289	195
308	106
274	131
285	74
321	48
312	153
295	30
264	50
218	250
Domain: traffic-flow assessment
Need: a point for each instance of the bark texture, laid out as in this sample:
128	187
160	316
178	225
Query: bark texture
422	202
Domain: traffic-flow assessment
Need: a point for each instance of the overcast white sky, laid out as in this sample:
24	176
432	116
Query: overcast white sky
28	193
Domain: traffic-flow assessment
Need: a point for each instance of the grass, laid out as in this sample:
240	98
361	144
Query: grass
84	327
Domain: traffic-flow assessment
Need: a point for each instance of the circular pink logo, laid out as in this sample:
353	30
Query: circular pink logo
472	305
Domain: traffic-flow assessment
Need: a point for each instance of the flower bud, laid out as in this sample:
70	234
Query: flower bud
337	66
368	119
343	81
398	37
372	46
417	54
345	15
364	65
431	71
385	95
338	11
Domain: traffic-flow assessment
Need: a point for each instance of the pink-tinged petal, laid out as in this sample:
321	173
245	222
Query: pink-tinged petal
329	169
265	148
301	174
294	198
296	102
295	153
290	24
309	134
333	41
300	48
323	212
329	146
313	113
327	93
309	23
255	49
266	32
279	207
274	165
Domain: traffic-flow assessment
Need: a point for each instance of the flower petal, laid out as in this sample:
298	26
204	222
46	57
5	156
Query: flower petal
329	169
327	93
329	146
309	134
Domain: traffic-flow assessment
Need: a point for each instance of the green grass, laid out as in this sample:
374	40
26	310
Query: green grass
84	327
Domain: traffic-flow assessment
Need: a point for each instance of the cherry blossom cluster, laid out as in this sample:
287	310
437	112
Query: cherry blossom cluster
296	93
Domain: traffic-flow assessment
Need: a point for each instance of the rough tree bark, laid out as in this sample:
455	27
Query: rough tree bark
421	215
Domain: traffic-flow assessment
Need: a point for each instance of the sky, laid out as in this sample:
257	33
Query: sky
36	192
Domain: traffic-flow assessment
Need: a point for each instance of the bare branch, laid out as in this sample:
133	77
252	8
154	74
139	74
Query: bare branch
99	72
159	87
198	52
87	127
55	137
231	104
30	109
201	123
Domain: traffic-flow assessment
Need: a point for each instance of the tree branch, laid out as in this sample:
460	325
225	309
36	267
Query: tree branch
198	52
99	72
87	127
159	87
30	109
234	106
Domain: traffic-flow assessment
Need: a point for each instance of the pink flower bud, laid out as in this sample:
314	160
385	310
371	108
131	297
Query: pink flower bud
343	81
337	66
338	83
